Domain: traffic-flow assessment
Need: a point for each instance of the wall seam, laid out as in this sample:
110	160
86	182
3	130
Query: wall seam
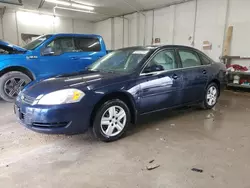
225	24
73	26
123	32
173	25
2	27
195	21
17	30
138	29
112	34
153	25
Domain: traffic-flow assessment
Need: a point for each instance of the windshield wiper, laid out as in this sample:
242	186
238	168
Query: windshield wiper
100	70
89	69
108	71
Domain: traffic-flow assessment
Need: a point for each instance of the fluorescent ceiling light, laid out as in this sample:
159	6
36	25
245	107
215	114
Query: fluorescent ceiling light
82	6
84	3
77	10
58	2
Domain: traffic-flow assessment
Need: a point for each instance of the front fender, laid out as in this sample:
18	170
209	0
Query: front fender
19	64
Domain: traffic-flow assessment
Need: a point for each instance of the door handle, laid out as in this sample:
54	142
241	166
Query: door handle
74	58
204	72
175	77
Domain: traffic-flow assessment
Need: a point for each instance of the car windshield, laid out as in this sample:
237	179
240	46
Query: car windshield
120	61
37	42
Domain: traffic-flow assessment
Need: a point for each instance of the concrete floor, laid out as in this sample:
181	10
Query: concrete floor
217	141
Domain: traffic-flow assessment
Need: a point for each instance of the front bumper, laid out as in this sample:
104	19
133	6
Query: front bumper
57	119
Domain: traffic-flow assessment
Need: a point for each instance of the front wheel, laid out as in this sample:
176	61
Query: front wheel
211	96
111	120
11	83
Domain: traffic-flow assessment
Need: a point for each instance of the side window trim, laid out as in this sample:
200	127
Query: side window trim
153	55
201	55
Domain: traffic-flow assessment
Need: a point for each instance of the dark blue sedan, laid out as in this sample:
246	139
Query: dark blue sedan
112	92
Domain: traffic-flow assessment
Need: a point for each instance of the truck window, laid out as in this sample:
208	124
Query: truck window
62	45
87	44
37	42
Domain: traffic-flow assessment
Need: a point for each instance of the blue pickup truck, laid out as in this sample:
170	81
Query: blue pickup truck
47	56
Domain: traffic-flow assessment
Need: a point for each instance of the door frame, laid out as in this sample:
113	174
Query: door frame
192	67
142	75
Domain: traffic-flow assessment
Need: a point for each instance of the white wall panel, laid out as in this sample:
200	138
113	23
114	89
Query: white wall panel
210	25
39	24
118	33
184	23
132	29
239	18
103	28
83	27
65	26
126	33
1	28
9	28
141	30
164	24
149	27
32	23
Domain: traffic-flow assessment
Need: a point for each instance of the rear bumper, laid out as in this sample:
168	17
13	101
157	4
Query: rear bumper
60	119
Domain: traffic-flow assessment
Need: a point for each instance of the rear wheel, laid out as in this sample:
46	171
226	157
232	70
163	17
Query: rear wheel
211	96
111	120
11	84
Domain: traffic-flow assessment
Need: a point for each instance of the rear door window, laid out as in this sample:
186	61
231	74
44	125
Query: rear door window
87	44
189	58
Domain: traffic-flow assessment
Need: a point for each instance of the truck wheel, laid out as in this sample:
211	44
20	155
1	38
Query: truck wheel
11	83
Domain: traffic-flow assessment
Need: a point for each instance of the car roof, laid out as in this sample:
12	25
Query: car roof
155	47
75	34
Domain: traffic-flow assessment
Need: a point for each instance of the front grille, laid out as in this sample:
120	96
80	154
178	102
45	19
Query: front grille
22	116
27	99
50	125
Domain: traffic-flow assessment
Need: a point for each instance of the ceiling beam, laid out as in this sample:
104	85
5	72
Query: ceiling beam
168	5
134	8
11	3
41	3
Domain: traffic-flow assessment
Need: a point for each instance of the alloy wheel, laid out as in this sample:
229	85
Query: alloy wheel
212	95
113	121
13	86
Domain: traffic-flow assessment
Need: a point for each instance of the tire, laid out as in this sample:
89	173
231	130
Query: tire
211	96
11	83
107	128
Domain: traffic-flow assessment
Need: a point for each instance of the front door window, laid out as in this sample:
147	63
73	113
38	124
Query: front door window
61	45
164	60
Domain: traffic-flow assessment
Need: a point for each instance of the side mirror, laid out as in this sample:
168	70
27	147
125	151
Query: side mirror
153	68
47	51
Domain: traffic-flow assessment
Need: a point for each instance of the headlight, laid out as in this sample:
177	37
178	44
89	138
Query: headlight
64	96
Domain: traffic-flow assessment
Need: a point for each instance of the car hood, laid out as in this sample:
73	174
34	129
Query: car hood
84	81
5	44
